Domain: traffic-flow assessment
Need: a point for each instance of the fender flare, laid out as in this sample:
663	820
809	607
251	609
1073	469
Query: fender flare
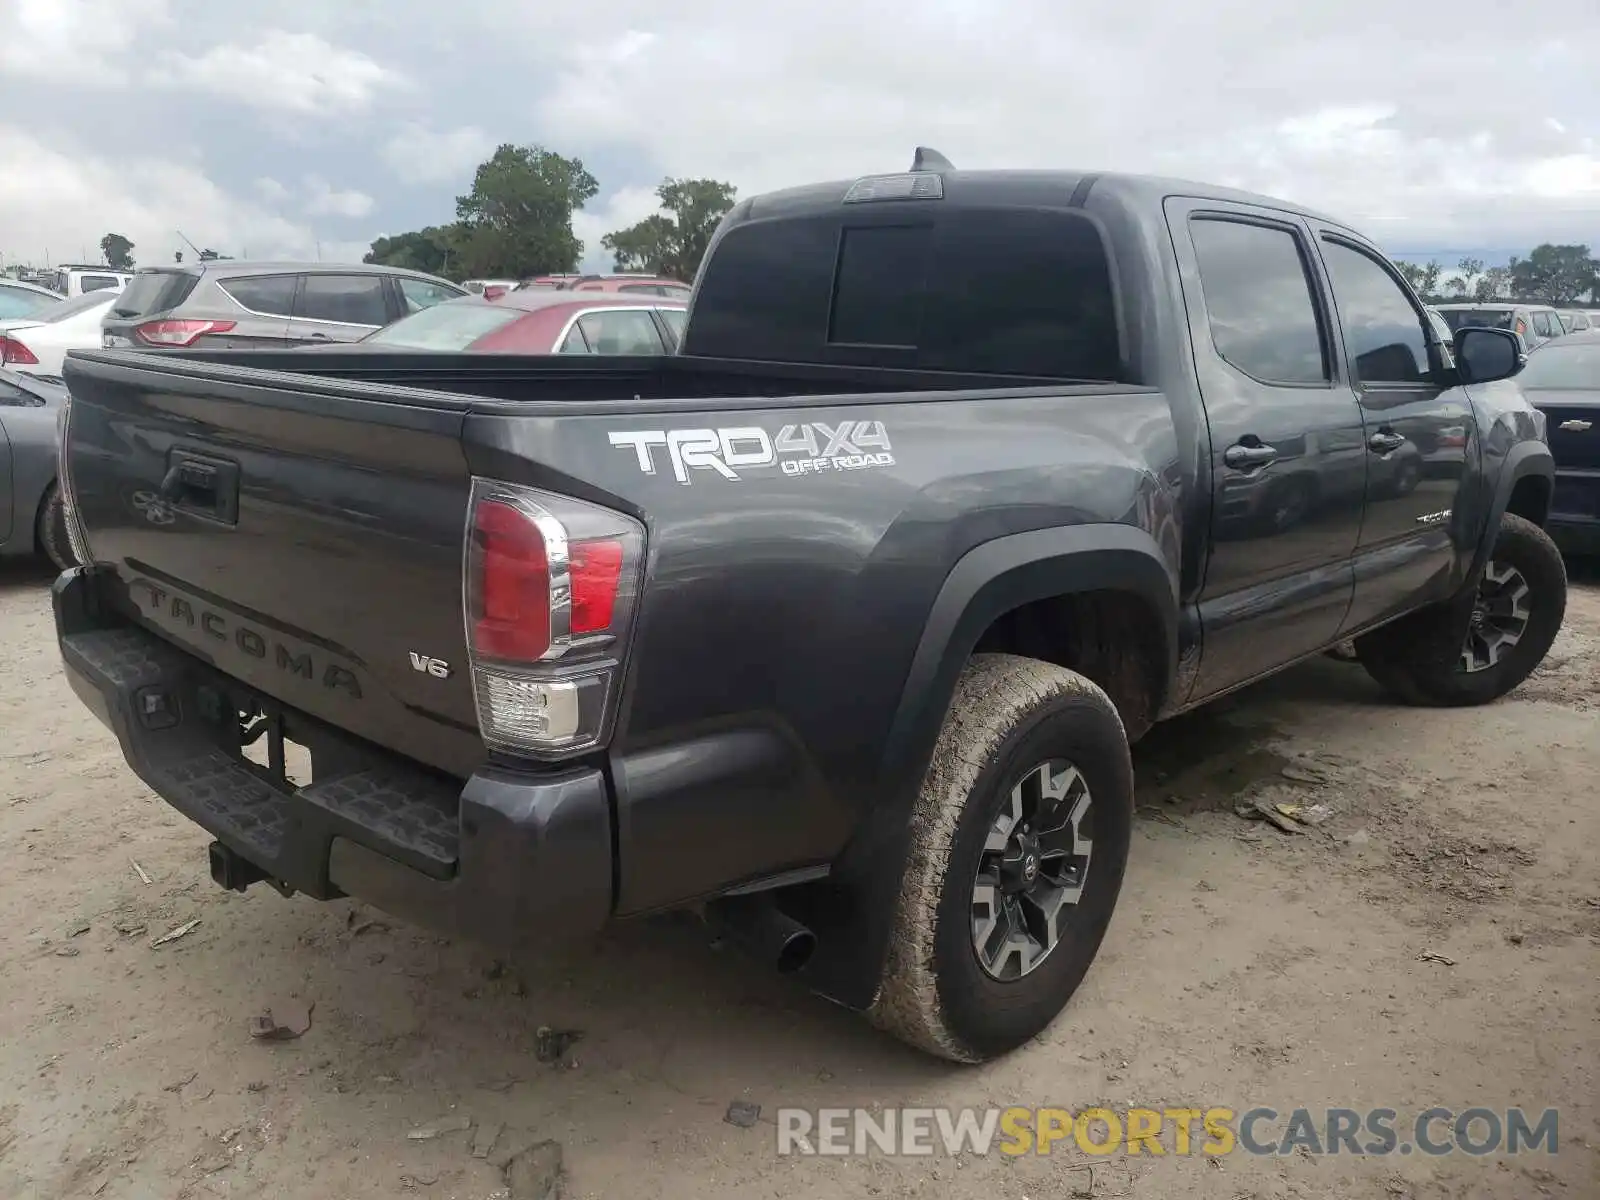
1523	460
989	580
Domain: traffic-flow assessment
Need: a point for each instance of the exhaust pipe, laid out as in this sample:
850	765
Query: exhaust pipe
758	927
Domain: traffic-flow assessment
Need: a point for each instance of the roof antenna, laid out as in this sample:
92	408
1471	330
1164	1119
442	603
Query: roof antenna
926	159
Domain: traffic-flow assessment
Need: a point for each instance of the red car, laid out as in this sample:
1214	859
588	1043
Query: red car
541	321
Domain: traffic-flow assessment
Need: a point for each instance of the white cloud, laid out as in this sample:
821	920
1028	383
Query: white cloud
1438	123
294	74
76	41
271	191
1393	126
622	208
417	154
68	198
324	200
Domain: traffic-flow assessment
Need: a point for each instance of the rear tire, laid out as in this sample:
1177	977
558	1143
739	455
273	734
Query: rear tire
1031	754
1476	650
51	532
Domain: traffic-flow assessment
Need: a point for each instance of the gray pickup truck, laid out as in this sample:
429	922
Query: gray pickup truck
836	625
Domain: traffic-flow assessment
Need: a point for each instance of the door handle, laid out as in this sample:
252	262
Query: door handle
1382	442
319	337
1243	457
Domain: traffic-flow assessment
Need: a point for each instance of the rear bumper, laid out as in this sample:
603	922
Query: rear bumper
508	858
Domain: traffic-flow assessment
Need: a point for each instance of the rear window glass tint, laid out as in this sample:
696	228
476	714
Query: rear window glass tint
153	292
1476	318
878	267
452	326
271	295
1005	291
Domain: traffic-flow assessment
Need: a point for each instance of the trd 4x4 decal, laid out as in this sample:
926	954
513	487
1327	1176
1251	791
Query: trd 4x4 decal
807	449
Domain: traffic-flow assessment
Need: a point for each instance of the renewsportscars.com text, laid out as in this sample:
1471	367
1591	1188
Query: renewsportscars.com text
1166	1130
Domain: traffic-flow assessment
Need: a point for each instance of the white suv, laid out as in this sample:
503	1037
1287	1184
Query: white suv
73	281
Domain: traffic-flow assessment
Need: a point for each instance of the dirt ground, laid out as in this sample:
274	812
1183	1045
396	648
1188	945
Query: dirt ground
1246	966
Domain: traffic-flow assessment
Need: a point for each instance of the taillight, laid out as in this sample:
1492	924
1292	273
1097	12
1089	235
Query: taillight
179	333
13	351
549	585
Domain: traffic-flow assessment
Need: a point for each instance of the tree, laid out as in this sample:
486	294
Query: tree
118	252
433	250
1470	269
671	243
1492	285
1554	274
1424	279
517	220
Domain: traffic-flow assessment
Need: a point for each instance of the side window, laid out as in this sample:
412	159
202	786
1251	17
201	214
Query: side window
345	299
621	331
1259	301
269	295
573	343
12	396
675	320
1382	330
1545	326
420	294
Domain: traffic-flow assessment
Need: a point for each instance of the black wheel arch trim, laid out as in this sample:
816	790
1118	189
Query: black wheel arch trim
988	581
1522	461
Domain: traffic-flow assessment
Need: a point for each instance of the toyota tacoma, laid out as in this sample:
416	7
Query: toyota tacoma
835	625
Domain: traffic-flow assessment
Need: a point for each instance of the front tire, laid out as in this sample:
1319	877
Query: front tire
1500	634
51	533
1019	843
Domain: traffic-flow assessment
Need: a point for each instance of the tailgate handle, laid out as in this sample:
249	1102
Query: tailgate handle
207	487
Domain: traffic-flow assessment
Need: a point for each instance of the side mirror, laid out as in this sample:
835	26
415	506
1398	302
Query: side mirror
1484	355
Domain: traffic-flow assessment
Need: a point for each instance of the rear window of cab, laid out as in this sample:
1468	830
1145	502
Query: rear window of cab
982	289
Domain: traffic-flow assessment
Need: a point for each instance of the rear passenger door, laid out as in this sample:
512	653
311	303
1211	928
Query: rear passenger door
1287	461
1418	434
614	331
330	307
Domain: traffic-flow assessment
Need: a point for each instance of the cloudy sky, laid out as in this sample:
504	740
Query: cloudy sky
277	128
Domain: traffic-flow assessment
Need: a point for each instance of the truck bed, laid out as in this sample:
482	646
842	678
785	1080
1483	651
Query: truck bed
338	553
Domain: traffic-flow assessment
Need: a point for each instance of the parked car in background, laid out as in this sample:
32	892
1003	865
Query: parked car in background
645	285
20	300
540	321
1536	324
73	280
32	519
38	344
490	288
231	305
1562	380
1575	320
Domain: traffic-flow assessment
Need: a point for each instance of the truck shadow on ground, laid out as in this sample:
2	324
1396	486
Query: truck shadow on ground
26	574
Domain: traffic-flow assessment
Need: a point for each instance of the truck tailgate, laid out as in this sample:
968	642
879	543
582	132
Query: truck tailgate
302	537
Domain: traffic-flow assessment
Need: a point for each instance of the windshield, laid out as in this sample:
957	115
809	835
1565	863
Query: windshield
449	326
1476	318
78	304
1563	367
